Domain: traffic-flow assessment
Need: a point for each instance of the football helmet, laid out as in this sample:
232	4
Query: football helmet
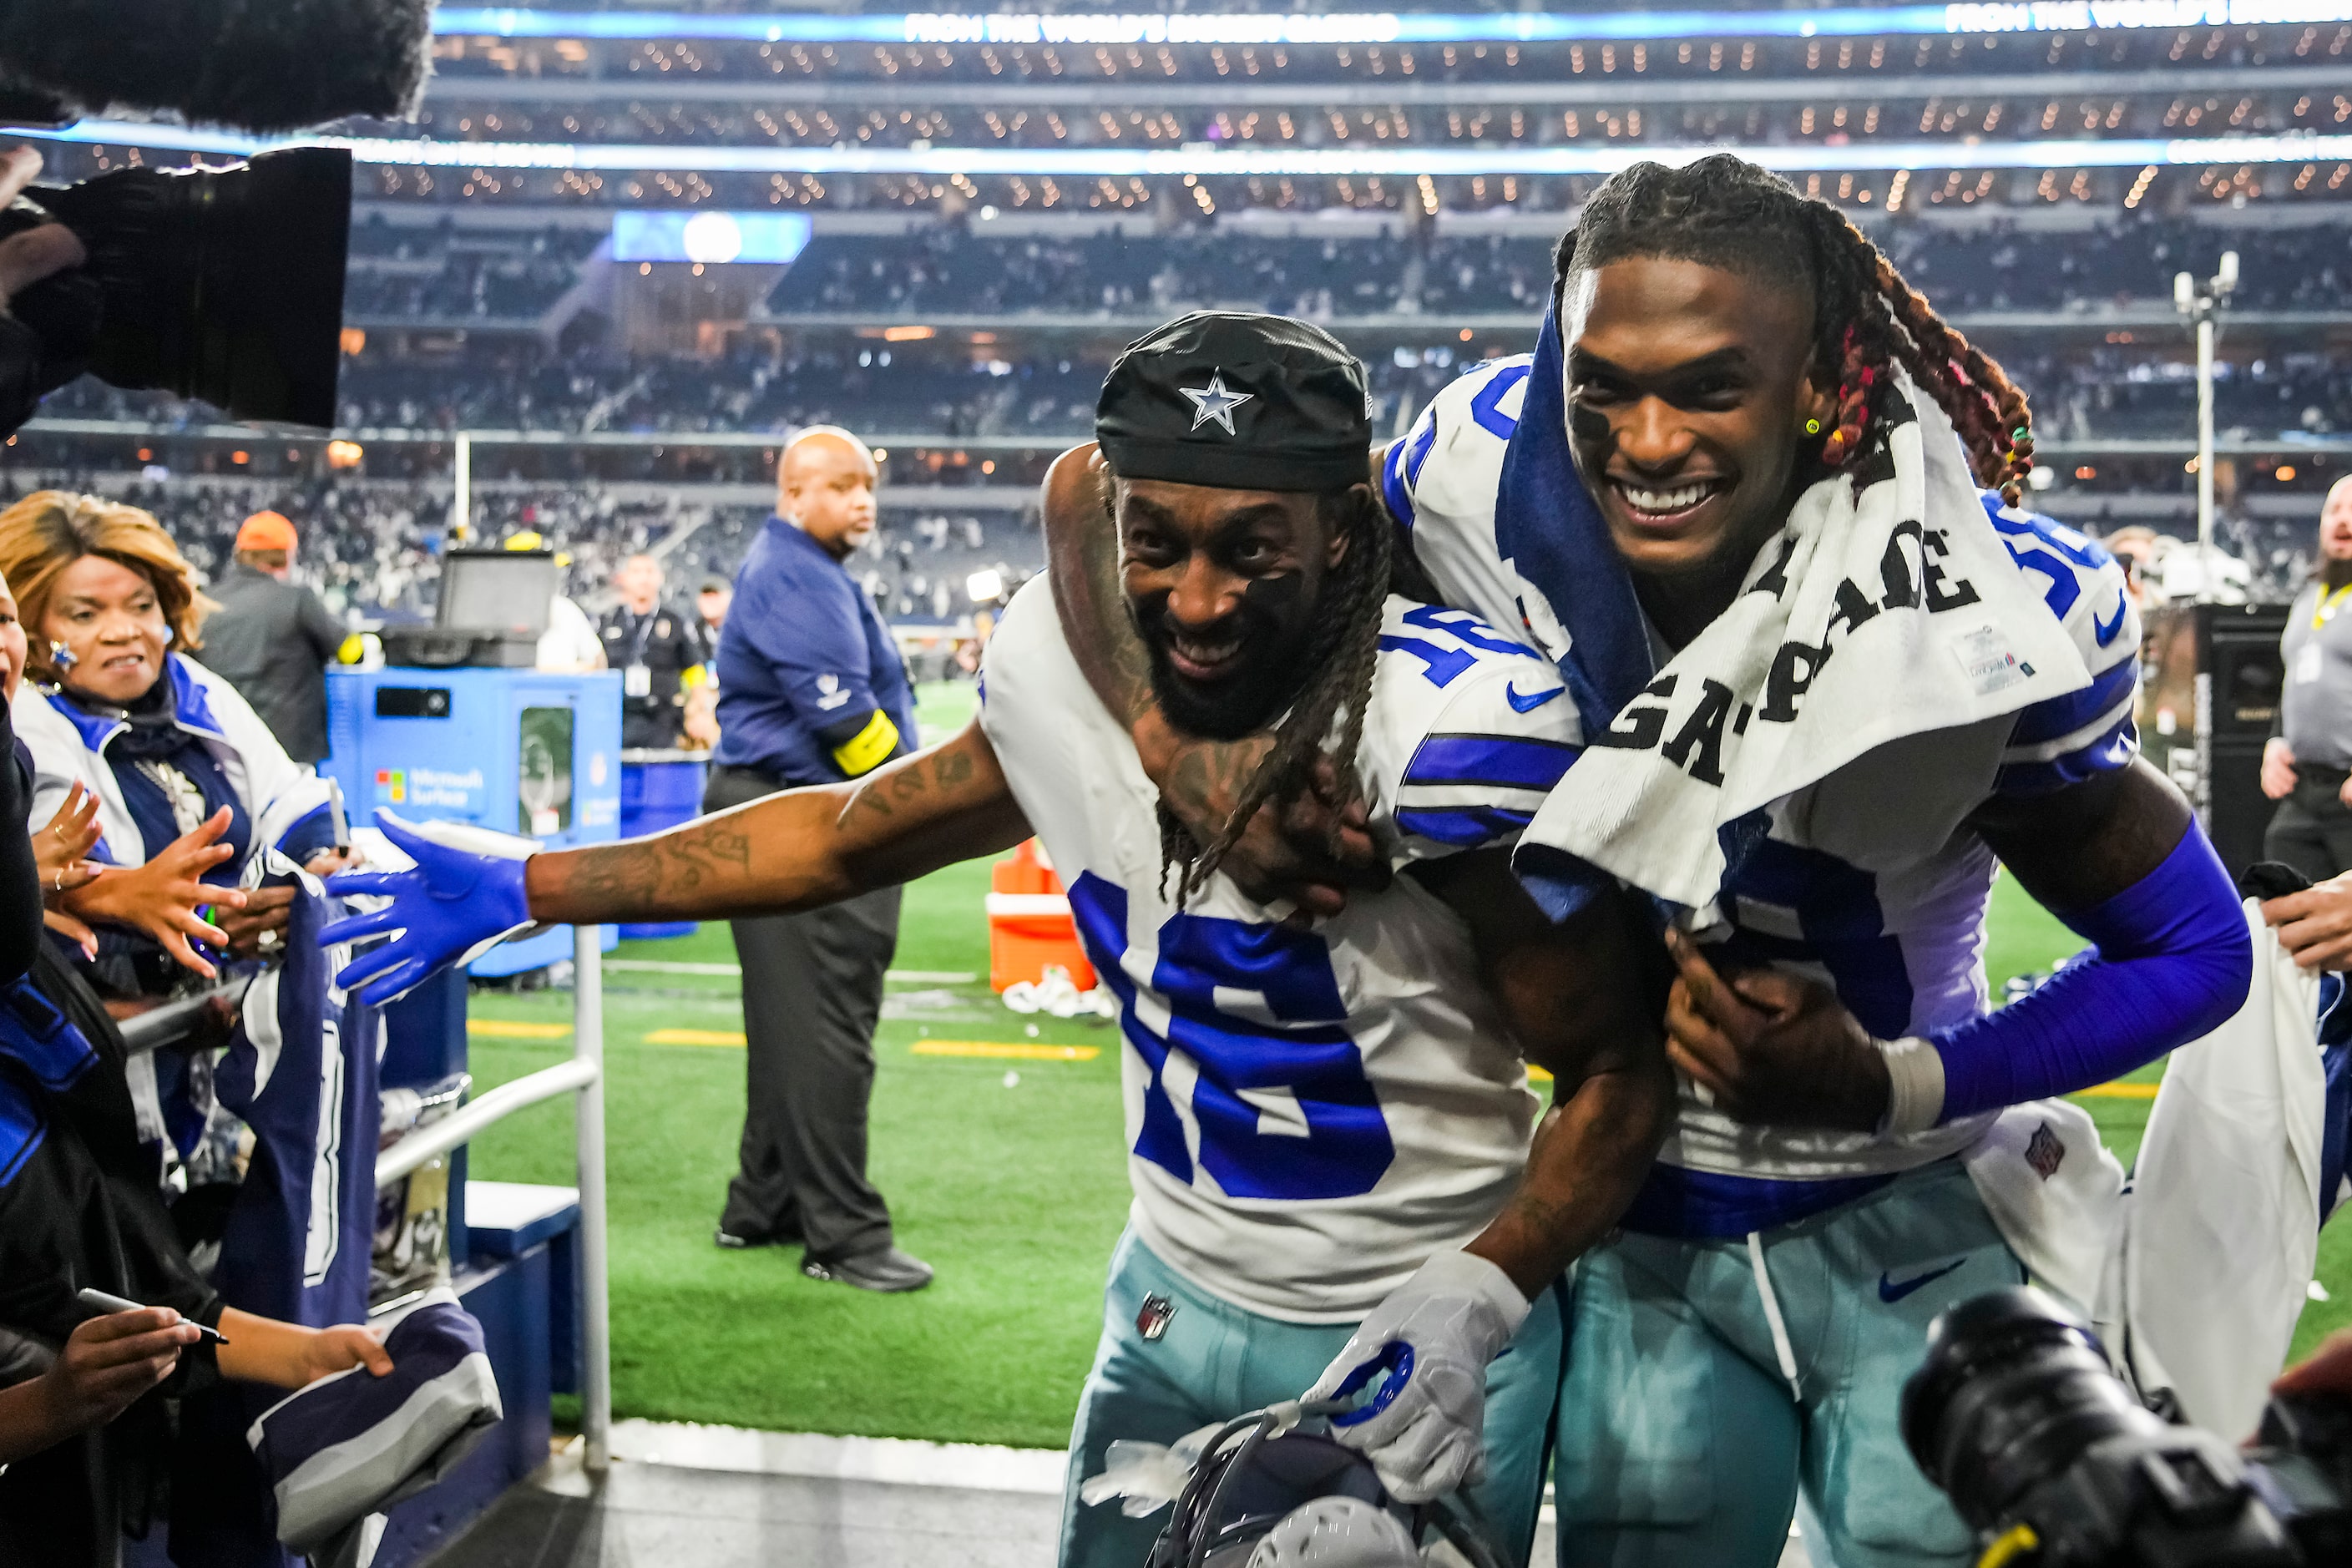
1272	1491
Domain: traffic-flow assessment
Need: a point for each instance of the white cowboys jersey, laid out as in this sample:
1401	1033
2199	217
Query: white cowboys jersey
1863	880
1310	1114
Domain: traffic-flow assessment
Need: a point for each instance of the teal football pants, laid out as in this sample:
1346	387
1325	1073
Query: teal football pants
1681	1441
1215	1361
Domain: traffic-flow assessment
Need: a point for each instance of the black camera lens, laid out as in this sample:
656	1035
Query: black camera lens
220	284
2013	1390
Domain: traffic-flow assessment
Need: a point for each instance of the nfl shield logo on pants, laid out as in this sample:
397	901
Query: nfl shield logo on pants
1151	1321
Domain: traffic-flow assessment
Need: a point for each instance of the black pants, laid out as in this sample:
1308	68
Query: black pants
2312	829
812	995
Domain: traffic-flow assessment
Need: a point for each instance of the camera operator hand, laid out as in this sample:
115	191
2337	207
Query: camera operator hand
2327	1369
31	362
2315	925
28	258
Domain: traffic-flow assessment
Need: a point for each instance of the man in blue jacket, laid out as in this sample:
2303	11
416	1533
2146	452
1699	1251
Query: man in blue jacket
812	690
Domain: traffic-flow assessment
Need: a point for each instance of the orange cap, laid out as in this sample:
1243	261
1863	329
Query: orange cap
266	530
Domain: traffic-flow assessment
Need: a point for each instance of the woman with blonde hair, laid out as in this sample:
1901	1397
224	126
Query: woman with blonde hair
154	788
179	764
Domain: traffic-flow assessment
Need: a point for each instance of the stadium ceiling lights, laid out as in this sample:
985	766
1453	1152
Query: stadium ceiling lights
1209	161
1383	26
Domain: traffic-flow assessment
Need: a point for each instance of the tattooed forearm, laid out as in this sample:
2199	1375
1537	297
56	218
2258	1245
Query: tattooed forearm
1589	1157
795	849
629	879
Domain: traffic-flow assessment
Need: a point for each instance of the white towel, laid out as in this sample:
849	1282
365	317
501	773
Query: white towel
2221	1227
2055	1192
1869	617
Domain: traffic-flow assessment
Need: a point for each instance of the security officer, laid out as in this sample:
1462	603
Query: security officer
812	690
653	646
2308	764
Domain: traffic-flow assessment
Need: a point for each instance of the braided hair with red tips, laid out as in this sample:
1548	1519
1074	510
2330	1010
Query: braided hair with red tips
1723	211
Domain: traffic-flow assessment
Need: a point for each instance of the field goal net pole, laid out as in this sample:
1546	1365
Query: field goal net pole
461	490
2202	302
588	1118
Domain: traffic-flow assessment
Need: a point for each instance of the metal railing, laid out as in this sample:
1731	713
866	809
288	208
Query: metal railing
583	1075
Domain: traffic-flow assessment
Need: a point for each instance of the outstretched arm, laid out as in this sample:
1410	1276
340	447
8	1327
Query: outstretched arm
794	851
1309	851
785	852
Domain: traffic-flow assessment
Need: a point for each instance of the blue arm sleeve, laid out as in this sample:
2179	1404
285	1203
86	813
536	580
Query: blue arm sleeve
2174	960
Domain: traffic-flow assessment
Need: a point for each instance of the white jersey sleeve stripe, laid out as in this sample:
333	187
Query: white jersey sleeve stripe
2068	738
1403	470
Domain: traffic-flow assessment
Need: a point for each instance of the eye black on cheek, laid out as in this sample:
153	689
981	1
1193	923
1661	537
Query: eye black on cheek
1587	423
1274	593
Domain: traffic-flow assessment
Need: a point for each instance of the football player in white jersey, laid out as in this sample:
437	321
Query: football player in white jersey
1719	343
1320	1119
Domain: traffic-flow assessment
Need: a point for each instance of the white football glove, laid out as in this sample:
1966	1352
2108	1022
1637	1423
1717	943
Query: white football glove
1428	1344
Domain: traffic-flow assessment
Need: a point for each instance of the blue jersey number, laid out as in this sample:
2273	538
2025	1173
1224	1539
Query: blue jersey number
1300	1045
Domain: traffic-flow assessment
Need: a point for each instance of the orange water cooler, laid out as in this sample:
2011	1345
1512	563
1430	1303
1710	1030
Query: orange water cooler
1029	923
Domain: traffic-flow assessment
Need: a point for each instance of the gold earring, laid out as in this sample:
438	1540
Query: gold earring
1812	426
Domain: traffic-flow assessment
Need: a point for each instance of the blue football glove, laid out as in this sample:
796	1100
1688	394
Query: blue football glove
462	897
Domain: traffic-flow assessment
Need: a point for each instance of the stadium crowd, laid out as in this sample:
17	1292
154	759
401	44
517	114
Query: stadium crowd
1995	266
2088	393
408	272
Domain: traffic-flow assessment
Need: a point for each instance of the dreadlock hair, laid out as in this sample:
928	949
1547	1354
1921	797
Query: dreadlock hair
1723	211
1339	659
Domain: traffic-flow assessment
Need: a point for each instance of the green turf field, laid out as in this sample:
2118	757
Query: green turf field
1007	1175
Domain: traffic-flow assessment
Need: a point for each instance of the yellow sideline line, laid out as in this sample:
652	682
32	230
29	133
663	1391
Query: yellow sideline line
1022	1050
1007	1050
694	1038
513	1029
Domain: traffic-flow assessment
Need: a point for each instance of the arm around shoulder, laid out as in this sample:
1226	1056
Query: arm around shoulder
1583	998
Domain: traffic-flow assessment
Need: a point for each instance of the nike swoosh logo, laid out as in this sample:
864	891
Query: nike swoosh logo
2106	630
1529	704
1891	1291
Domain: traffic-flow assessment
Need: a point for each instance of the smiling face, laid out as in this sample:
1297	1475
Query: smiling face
1688	389
1224	586
110	620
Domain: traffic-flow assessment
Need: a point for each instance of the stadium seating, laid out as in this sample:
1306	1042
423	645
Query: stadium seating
965	320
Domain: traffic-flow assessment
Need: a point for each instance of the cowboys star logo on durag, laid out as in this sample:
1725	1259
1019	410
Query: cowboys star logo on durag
1216	402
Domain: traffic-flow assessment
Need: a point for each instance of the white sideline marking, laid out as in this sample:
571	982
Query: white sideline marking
900	976
894	1461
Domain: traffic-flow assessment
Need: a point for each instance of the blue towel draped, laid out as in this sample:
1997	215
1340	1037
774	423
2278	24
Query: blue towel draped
1548	527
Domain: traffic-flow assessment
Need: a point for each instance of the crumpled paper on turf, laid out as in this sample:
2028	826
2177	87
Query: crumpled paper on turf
1146	1477
1055	993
